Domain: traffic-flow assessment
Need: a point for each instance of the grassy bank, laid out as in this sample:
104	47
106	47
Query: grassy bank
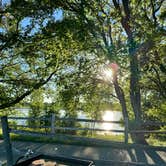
69	141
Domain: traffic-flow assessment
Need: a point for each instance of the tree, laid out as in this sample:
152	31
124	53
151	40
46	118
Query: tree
125	36
36	106
126	32
31	50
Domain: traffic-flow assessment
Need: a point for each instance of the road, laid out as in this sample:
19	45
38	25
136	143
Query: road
103	156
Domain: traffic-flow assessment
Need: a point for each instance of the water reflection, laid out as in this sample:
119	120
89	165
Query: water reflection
108	115
111	116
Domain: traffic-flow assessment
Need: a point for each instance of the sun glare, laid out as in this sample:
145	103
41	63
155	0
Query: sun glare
108	116
107	74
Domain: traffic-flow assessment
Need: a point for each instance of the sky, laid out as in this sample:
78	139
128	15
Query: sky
5	1
58	15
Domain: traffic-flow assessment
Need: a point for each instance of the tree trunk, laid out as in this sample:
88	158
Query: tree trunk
120	95
135	95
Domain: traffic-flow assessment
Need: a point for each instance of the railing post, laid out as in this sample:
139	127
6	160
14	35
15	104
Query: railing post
52	123
126	129
7	143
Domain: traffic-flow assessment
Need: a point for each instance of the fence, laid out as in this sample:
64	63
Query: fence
53	128
7	129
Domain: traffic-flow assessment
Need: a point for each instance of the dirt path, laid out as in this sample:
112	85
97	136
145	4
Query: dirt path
144	155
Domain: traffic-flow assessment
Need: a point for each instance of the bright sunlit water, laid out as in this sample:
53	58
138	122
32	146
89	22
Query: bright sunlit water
108	115
112	116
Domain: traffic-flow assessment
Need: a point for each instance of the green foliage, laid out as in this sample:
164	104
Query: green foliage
32	49
69	52
36	107
157	112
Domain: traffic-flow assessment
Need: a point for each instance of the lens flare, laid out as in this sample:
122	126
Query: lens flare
107	74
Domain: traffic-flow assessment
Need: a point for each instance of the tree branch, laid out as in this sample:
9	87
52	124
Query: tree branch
21	97
153	12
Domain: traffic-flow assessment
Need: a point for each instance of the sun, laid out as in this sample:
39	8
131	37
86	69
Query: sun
107	74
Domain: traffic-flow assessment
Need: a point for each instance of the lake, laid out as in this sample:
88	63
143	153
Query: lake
108	115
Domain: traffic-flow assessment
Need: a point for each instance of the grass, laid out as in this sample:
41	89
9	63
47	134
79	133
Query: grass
117	138
156	142
68	140
108	137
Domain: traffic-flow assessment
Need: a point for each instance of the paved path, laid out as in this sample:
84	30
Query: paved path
154	156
